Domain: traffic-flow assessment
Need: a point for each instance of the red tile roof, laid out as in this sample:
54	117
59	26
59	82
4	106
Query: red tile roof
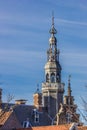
59	127
82	128
4	116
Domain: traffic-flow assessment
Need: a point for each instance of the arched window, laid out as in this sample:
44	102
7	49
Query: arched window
58	77
47	77
53	77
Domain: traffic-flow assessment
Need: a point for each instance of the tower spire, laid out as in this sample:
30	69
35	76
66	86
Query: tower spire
52	53
69	86
52	88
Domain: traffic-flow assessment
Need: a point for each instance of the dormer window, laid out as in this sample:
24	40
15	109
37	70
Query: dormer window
36	115
36	119
26	124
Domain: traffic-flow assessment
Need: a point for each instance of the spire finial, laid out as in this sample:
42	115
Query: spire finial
53	30
37	87
52	18
37	90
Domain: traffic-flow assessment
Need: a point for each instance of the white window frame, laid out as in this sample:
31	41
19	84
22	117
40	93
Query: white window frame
36	116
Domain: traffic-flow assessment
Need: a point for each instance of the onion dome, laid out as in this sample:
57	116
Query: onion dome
53	40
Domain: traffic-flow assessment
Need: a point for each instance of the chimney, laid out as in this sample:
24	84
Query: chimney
37	99
37	96
20	102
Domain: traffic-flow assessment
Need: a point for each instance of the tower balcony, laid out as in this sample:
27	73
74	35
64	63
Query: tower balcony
53	86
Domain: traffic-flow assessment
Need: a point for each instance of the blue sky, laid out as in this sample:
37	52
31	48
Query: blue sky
24	40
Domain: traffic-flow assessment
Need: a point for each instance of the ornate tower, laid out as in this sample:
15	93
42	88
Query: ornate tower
69	99
70	107
52	88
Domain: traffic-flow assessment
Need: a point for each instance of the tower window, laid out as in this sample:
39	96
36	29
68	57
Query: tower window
47	77
52	77
58	77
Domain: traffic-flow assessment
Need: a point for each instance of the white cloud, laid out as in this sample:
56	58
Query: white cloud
16	55
19	61
65	21
76	59
22	19
74	62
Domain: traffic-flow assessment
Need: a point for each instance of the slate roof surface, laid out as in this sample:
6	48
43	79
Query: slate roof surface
23	112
